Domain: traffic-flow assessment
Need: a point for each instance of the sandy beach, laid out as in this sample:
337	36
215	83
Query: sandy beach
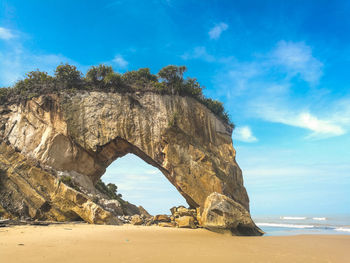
96	243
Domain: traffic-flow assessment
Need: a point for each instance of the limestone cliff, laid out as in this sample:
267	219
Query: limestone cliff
81	134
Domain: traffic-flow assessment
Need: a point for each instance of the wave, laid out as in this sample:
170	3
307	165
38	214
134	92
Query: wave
285	225
343	229
292	217
319	218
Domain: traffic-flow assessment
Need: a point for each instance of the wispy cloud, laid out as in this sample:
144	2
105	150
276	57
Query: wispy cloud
120	62
6	34
217	30
16	61
268	83
320	128
297	58
198	53
265	87
244	134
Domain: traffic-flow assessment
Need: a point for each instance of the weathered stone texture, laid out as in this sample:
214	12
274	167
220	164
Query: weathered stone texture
84	133
222	214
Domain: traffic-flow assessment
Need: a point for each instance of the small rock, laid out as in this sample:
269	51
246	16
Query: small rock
183	211
161	218
136	220
185	222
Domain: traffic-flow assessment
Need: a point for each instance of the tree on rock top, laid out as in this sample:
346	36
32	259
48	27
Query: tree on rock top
173	77
68	76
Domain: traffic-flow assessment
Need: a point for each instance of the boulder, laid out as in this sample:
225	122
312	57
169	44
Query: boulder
112	206
136	220
161	218
182	211
185	222
222	214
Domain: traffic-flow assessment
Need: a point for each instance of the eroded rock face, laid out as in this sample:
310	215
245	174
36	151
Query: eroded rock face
84	133
222	214
27	191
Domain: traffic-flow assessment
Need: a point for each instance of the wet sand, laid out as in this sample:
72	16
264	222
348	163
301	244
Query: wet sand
95	243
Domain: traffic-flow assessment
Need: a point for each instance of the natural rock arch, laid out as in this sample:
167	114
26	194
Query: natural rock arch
85	132
142	184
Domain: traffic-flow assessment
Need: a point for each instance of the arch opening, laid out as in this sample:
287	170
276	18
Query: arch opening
143	184
119	147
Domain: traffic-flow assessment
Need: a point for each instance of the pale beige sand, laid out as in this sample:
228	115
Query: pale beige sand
117	244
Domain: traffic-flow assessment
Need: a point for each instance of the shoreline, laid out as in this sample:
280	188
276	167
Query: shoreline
128	243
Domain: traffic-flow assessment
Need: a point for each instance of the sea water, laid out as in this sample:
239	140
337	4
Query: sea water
301	225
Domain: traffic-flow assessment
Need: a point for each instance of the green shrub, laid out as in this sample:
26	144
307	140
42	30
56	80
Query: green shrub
110	190
96	76
67	180
172	76
169	80
68	77
140	79
3	95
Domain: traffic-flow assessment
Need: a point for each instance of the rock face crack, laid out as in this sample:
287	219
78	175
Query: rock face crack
84	133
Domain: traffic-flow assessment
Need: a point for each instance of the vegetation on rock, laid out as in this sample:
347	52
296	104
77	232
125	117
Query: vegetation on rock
67	180
170	80
110	190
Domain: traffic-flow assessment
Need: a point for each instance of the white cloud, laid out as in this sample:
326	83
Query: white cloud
120	62
297	58
198	53
6	34
320	128
266	89
244	134
216	31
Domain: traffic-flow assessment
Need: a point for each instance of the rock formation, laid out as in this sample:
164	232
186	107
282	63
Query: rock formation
222	214
80	134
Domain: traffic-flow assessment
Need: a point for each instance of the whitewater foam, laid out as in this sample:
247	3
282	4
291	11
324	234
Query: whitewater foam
343	229
319	218
311	224
285	225
292	217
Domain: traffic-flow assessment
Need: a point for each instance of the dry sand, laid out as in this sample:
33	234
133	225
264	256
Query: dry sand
93	243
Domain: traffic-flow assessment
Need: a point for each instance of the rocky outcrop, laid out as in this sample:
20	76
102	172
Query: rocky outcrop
28	191
136	220
222	214
185	222
161	218
81	134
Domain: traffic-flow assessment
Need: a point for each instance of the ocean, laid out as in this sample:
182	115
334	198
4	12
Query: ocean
303	225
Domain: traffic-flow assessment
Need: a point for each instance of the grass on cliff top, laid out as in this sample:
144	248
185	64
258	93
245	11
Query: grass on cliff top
169	80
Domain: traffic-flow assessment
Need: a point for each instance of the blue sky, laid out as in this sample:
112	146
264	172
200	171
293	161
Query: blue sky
280	67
